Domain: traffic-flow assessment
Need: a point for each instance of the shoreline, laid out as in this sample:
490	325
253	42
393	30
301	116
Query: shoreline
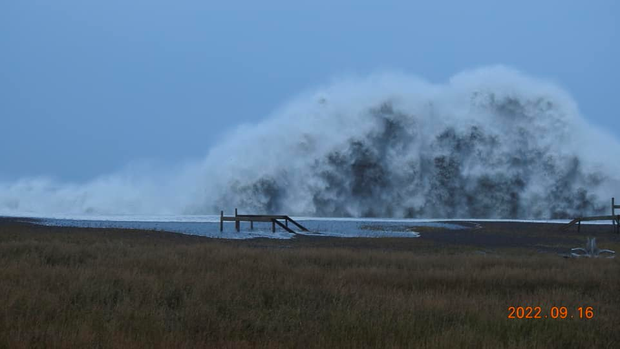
487	235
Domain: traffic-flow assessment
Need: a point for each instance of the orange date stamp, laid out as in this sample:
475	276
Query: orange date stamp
551	313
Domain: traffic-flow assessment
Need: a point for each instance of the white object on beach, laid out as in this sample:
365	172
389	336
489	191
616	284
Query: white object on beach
591	250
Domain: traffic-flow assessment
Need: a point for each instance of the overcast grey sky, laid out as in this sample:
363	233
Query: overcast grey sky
87	87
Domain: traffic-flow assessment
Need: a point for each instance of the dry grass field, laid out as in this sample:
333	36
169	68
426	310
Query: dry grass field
94	288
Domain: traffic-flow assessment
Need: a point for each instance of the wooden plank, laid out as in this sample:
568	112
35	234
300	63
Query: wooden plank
297	224
596	218
572	222
262	215
283	226
247	219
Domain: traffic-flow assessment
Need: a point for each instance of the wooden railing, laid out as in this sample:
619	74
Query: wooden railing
615	218
274	219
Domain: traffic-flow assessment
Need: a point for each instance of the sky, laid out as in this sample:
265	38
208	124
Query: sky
89	87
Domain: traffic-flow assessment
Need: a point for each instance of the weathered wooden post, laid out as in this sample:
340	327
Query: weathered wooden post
251	225
221	221
286	222
273	225
237	224
613	214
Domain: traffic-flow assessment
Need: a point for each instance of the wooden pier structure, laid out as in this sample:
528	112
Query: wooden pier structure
615	218
274	219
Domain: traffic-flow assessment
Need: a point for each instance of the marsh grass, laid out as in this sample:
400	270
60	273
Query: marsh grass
72	288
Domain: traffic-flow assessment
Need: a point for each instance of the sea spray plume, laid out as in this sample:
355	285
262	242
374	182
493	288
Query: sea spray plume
490	143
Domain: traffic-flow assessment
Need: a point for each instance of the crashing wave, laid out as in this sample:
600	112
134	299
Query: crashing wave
490	143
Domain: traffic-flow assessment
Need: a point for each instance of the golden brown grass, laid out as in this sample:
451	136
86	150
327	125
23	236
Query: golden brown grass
78	288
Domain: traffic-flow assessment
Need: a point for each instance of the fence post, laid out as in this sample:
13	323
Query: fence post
237	224
273	225
615	219
221	221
